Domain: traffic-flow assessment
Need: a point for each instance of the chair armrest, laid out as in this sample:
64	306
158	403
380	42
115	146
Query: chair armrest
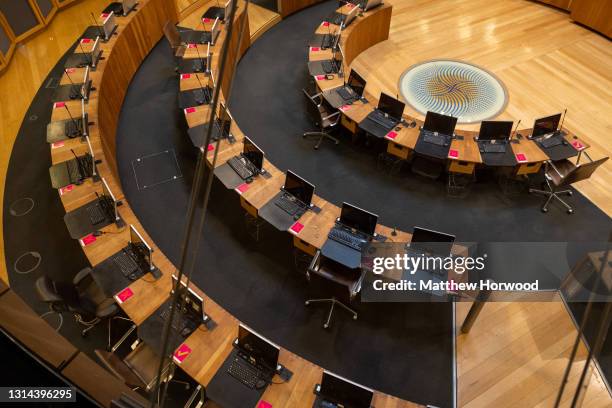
83	273
331	116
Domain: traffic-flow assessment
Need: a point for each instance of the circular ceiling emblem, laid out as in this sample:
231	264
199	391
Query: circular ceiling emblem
453	88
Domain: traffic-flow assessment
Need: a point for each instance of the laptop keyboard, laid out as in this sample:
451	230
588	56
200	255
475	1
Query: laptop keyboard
551	142
493	148
346	238
244	372
240	166
347	93
73	128
437	139
96	213
126	264
289	204
74	172
329	67
380	118
328	41
201	96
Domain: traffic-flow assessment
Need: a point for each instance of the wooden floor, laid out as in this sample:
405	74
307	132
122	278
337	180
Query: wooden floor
516	353
546	62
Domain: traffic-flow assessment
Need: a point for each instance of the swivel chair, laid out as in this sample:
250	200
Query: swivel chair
174	39
332	276
323	117
562	174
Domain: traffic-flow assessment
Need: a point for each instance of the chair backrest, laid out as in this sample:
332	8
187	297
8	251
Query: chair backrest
582	172
172	35
47	292
333	276
313	109
119	368
144	363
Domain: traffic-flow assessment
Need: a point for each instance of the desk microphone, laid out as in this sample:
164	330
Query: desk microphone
563	120
515	130
100	30
88	55
202	89
200	58
76	126
81	172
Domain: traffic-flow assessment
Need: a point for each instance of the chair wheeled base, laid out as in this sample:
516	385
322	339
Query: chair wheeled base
553	195
321	136
333	302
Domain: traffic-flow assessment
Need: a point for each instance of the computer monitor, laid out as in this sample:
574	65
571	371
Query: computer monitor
84	119
110	199
370	4
193	301
225	120
495	130
142	247
356	82
350	16
208	59
96	51
298	187
546	126
109	25
259	350
341	391
354	217
391	106
93	158
253	153
85	85
435	122
128	5
227	10
431	242
215	30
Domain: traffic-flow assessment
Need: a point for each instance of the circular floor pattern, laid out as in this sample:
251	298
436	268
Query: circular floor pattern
453	88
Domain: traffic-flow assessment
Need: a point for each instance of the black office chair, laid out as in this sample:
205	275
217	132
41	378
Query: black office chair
332	276
85	300
323	117
563	174
174	39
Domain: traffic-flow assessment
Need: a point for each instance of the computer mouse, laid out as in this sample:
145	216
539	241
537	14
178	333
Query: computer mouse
296	217
260	384
397	129
97	233
249	180
185	332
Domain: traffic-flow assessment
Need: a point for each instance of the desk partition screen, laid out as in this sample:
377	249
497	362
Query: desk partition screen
45	7
19	15
5	41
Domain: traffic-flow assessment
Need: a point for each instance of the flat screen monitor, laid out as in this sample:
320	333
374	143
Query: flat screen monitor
208	59
341	391
84	119
435	122
128	5
214	31
96	51
356	82
227	9
298	187
225	121
85	84
253	153
546	126
93	158
350	16
260	350
495	130
110	199
143	248
370	4
193	301
391	106
431	242
357	218
109	26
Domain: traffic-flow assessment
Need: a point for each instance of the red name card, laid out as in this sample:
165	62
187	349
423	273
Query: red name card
104	15
242	188
206	20
57	145
66	189
325	24
391	135
315	49
578	146
181	353
85	40
264	404
58	105
124	295
320	77
191	46
70	70
344	108
185	76
521	157
190	110
87	240
453	154
210	148
296	228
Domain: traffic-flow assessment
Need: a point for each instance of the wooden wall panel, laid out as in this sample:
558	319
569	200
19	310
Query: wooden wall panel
234	55
286	7
136	37
596	14
367	31
562	4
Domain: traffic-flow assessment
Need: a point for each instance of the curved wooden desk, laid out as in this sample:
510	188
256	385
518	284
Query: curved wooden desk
371	28
138	33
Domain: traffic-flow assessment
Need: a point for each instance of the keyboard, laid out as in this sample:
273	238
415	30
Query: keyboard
329	66
493	148
437	139
244	372
73	128
126	264
75	92
197	65
338	19
200	96
328	41
347	93
96	214
74	172
180	320
346	238
289	204
86	165
385	121
240	166
551	142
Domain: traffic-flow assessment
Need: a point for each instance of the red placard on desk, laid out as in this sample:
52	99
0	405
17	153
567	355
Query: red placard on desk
315	49
69	70
391	135
66	189
57	145
206	20
578	146
296	228
264	404
344	108
241	189
85	40
210	147
124	295
190	110
87	240
320	77
58	105
521	157
191	45
104	15
185	76
181	353
325	24
453	154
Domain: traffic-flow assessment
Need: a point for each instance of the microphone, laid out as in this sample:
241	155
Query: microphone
100	30
515	130
73	85
562	120
201	67
76	126
202	89
78	164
